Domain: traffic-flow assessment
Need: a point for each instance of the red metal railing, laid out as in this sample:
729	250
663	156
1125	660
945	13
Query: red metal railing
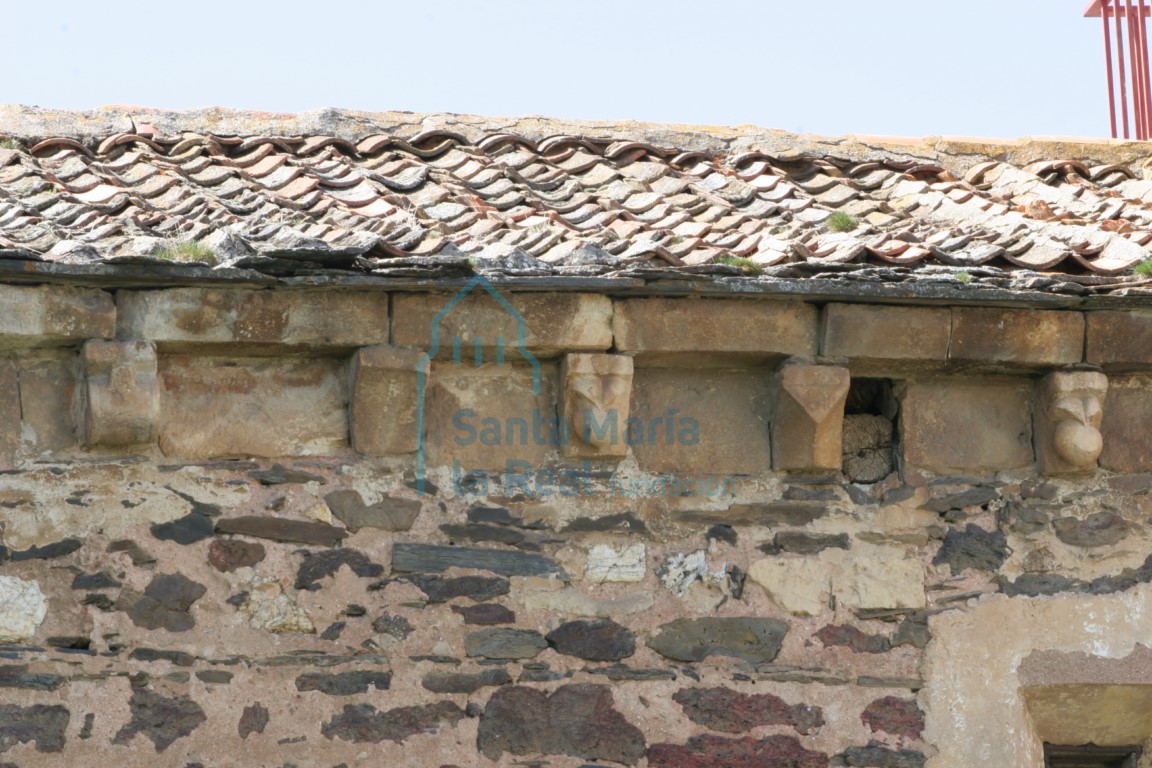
1129	21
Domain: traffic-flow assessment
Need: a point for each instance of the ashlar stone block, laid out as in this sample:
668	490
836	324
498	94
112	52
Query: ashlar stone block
808	422
1069	412
1126	426
122	393
1016	337
54	315
384	400
868	333
597	395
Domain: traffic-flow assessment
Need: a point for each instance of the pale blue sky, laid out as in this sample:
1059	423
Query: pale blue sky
1001	68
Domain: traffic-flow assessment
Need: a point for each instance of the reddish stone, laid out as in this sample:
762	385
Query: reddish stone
853	638
723	709
899	717
230	554
713	751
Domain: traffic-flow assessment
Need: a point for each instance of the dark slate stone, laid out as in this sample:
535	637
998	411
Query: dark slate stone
94	581
620	673
103	602
850	637
396	626
18	676
485	614
808	493
712	751
973	548
502	643
877	756
973	497
1022	518
625	522
46	552
541	676
1126	579
1130	484
208	510
138	554
333	631
752	639
319	565
455	682
86	729
40	723
493	516
1036	584
282	529
576	720
803	543
389	514
479	532
596	640
1102	529
344	683
161	719
899	717
214	676
354	610
775	514
226	555
441	589
913	631
254	719
427	558
362	723
179	658
165	603
278	474
723	709
722	533
191	528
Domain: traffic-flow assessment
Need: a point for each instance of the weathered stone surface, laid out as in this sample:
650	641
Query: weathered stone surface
18	676
876	755
751	639
1119	340
166	602
94	581
715	326
869	333
955	426
226	555
384	400
694	421
44	725
798	585
602	640
237	318
804	543
456	682
179	658
389	514
10	427
868	445
478	532
485	614
278	474
161	719
362	723
501	643
596	404
608	563
623	522
1016	337
899	717
1127	425
214	676
577	322
282	529
122	403
874	579
343	683
396	626
850	637
572	601
768	514
219	407
973	548
913	631
254	719
46	552
268	608
723	709
45	316
320	565
576	720
426	558
973	497
1101	529
48	391
808	420
710	751
1069	410
441	589
193	527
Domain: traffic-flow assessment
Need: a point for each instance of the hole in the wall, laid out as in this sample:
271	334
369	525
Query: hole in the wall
870	416
1090	756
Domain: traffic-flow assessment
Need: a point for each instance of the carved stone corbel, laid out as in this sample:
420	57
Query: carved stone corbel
122	393
597	396
808	422
1069	410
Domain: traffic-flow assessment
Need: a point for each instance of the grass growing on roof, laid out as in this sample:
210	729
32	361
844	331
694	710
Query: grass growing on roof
186	250
963	276
841	222
748	266
1143	268
9	143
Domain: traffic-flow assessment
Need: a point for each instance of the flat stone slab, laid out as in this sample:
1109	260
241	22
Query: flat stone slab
429	558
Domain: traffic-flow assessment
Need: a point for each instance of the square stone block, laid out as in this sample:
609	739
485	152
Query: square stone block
50	315
9	411
1016	337
867	333
967	425
383	409
701	422
1127	425
48	403
1119	340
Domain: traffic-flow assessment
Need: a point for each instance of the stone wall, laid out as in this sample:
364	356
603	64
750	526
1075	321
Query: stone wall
320	527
